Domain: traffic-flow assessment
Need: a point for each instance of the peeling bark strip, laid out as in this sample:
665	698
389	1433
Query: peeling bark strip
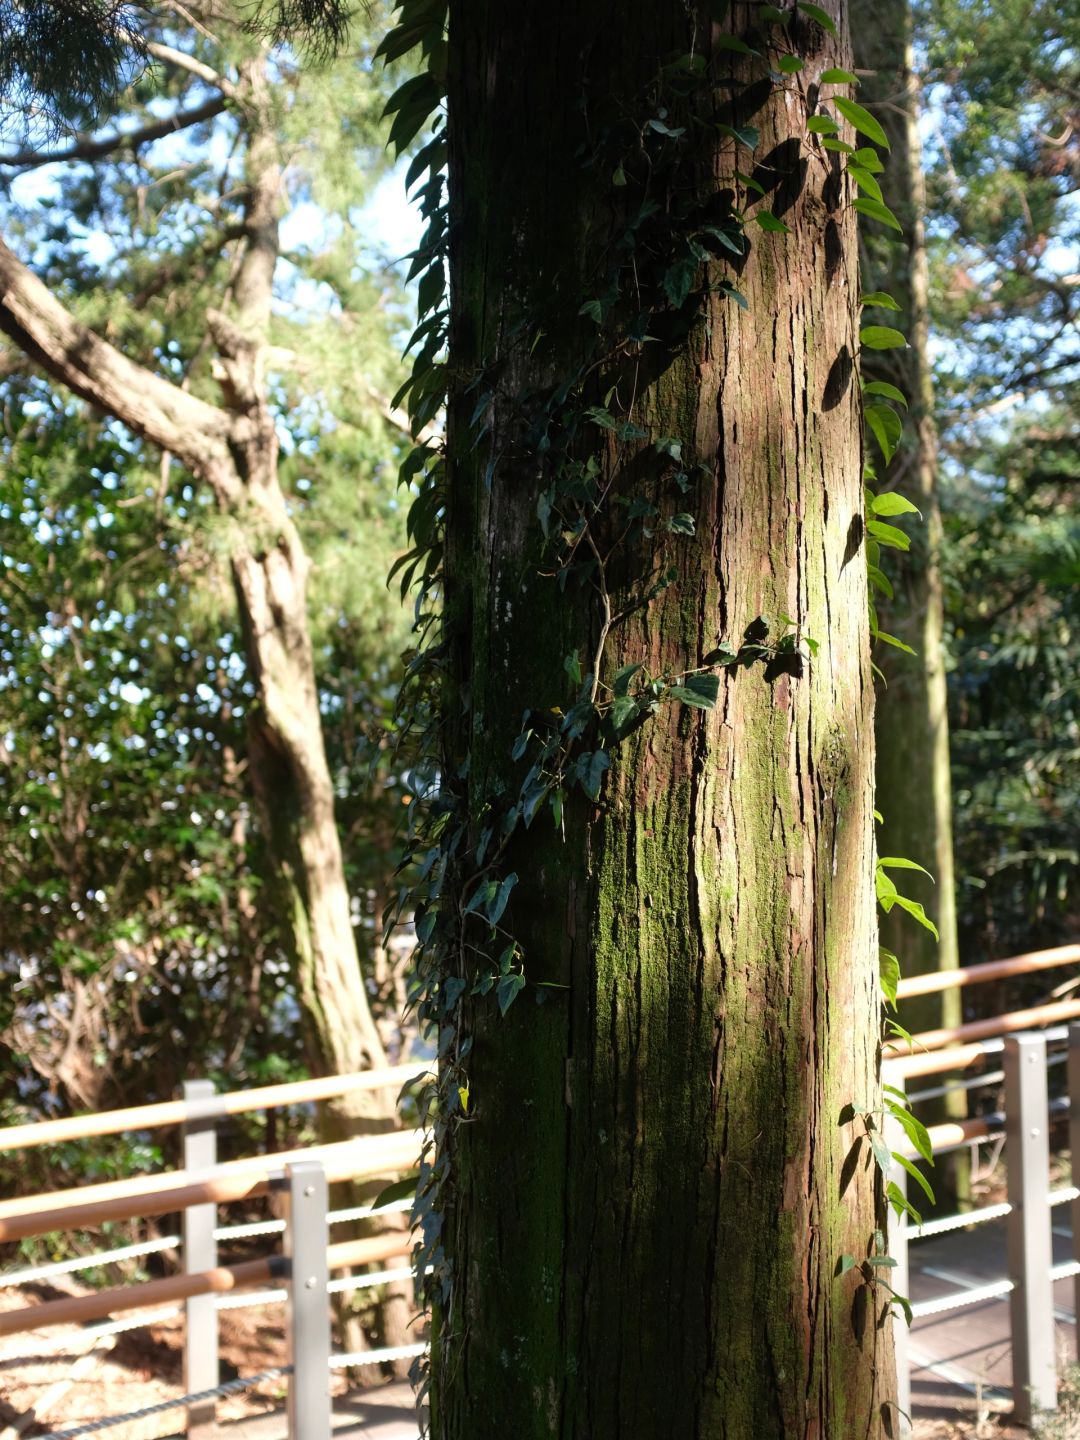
655	1186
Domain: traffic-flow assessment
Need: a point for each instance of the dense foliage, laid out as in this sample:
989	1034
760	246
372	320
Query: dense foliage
1003	157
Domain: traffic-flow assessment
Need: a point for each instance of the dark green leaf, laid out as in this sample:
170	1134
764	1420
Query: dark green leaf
789	64
700	691
771	223
507	991
823	18
822	125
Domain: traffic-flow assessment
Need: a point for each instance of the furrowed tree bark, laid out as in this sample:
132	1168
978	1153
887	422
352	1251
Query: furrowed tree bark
914	790
658	1176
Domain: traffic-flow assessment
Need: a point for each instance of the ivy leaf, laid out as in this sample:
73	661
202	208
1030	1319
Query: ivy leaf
835	76
678	278
391	1194
681	524
822	125
453	989
893	503
507	991
882	337
862	120
482	896
882	1153
916	911
880	298
916	1174
823	18
722	655
889	971
840	146
869	159
624	709
888	535
772	224
865	181
789	64
914	1129
750	182
591	767
620	685
887	427
875	210
733	43
880	581
887	391
844	1264
897	862
698	691
894	641
593	309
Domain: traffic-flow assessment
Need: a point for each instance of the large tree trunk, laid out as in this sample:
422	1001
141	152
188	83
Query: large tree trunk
658	1177
911	718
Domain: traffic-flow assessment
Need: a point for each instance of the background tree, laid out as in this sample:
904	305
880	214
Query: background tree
652	554
1003	162
195	364
911	723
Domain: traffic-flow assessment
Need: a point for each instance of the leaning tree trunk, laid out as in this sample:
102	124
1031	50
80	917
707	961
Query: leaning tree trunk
659	1174
911	718
233	449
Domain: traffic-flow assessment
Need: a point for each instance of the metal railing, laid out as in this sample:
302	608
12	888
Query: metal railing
1025	1124
302	1269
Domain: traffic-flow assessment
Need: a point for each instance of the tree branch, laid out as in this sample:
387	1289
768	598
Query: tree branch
85	147
197	433
169	55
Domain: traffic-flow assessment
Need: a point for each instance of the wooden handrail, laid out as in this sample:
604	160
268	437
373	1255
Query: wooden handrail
935	1062
79	1309
363	1159
937	980
998	1025
176	1112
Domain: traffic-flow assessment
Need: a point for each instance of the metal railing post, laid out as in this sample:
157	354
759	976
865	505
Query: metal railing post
307	1236
1027	1159
898	1275
200	1253
1074	1147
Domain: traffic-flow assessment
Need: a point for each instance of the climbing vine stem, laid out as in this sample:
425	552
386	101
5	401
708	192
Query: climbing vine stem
673	244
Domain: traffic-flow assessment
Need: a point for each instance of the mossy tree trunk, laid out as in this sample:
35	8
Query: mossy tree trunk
657	1178
911	720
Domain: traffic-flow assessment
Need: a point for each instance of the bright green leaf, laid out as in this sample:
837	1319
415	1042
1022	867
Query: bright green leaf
875	210
893	503
880	298
835	76
862	120
882	337
887	391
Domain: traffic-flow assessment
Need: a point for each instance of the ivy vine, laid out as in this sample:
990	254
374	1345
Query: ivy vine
666	260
